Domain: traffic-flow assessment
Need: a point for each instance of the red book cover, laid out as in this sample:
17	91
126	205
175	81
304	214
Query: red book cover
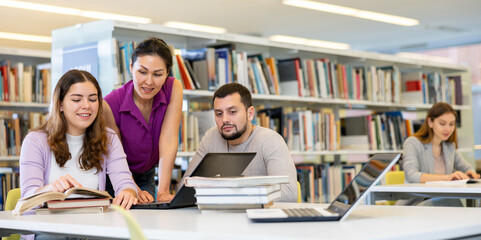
184	72
414	85
299	79
344	80
4	72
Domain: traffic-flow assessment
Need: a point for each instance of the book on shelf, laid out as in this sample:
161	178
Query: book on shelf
82	210
238	199
254	190
38	199
289	78
235	181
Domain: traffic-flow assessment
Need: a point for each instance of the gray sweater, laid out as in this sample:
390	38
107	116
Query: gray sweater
418	159
272	158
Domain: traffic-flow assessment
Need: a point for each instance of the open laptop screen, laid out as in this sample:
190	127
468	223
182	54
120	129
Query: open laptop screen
369	175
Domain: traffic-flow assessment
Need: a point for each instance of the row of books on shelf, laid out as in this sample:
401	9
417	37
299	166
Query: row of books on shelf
307	130
321	183
9	178
430	88
24	83
14	127
380	131
210	67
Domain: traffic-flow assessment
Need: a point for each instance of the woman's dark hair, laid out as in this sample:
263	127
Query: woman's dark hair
154	47
425	133
95	139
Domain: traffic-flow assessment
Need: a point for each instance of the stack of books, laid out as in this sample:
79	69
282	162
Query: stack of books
236	193
74	200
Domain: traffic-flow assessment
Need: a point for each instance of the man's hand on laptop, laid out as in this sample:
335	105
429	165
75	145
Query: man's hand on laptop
144	196
164	197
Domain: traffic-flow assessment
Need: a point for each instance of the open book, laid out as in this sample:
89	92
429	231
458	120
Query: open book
454	182
37	199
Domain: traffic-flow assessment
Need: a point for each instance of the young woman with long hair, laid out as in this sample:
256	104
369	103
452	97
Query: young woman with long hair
73	147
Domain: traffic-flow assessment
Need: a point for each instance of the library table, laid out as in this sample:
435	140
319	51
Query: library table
365	222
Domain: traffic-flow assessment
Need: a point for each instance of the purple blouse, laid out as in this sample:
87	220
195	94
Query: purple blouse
139	138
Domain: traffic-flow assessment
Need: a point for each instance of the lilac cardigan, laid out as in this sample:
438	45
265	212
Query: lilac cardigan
35	159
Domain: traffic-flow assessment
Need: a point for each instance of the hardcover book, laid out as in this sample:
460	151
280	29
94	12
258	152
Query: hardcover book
37	199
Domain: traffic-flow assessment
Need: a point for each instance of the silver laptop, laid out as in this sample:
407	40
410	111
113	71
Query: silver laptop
342	206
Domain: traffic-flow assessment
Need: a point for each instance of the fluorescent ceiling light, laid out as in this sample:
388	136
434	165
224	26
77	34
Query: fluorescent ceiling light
195	27
25	37
308	42
324	7
72	11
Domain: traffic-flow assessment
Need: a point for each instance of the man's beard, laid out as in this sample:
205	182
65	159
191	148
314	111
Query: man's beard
237	134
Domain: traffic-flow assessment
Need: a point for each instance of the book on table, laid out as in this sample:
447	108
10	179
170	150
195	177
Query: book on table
235	181
234	206
75	193
78	203
238	199
454	182
77	210
253	190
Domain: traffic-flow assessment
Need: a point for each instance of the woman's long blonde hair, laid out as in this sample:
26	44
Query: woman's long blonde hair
95	139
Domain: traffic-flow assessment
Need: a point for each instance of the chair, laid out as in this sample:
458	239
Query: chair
299	195
134	227
394	177
12	197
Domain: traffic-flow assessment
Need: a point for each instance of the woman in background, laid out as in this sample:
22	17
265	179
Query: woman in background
145	113
73	148
430	155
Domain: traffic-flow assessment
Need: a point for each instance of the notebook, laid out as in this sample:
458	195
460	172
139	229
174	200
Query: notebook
213	164
342	206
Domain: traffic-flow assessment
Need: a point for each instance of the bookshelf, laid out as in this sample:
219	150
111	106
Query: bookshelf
105	33
19	111
10	58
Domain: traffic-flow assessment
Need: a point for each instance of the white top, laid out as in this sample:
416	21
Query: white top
87	178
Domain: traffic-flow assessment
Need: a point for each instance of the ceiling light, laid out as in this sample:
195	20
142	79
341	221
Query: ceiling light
308	42
195	27
72	11
25	37
324	7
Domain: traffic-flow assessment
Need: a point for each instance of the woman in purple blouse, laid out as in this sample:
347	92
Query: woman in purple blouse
145	113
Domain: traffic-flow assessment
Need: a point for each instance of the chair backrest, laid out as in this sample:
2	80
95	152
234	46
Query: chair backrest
299	195
395	177
12	198
134	227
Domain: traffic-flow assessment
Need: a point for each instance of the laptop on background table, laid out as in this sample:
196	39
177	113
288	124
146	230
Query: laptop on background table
213	164
371	173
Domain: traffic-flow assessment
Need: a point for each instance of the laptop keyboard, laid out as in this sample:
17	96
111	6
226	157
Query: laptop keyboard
301	212
306	212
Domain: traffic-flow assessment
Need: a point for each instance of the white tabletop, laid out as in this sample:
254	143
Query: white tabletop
366	222
427	188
